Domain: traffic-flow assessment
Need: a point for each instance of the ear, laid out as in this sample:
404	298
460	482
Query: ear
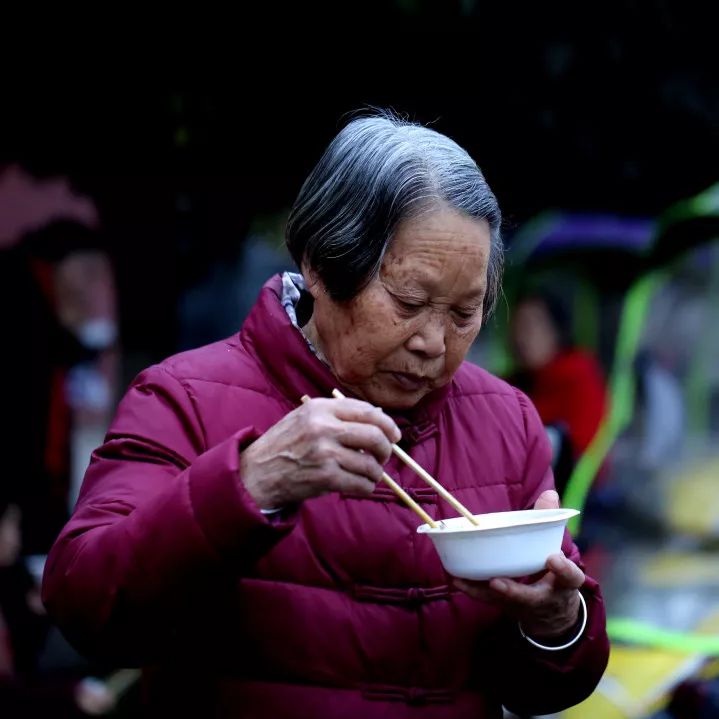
313	284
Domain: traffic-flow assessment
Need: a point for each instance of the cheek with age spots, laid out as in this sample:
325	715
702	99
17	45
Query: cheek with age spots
366	334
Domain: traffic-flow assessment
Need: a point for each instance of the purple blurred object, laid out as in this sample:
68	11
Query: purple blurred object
557	234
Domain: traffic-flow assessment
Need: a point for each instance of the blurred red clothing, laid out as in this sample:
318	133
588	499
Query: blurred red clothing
570	390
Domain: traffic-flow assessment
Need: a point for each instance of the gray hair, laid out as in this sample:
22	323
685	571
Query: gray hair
377	172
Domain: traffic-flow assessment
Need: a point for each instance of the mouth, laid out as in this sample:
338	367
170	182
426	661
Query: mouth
409	382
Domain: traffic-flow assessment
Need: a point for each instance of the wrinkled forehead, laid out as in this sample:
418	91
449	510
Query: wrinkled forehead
434	249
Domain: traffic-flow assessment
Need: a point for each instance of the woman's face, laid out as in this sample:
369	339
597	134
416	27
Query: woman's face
534	337
408	331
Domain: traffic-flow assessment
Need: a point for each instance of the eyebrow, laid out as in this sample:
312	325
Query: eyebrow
475	296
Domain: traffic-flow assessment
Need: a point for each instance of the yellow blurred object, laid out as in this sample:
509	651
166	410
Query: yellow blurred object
693	500
639	680
710	670
677	569
636	683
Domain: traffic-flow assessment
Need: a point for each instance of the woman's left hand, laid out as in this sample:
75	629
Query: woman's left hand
548	605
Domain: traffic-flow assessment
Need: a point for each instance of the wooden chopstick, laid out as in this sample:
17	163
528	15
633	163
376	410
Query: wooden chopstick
426	476
401	493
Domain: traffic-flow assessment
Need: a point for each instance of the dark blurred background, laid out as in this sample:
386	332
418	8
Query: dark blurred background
146	171
610	106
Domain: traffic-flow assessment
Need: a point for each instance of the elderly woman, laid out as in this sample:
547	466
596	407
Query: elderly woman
238	544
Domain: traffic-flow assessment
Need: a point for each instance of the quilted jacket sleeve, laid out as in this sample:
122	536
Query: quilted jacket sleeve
162	523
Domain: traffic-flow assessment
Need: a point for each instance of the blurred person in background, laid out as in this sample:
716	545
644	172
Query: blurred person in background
565	383
60	327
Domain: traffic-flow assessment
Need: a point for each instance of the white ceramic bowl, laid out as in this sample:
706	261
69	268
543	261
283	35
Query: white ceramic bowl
505	544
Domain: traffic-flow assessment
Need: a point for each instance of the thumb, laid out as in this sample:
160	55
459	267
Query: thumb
548	499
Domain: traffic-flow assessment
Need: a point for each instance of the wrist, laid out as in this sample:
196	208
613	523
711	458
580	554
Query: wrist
567	638
552	630
257	487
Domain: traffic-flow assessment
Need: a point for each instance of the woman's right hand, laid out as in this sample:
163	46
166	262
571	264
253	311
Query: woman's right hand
315	449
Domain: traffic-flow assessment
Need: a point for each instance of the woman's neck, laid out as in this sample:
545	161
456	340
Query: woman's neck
310	332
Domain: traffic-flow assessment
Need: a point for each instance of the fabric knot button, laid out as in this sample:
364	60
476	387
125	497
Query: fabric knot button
414	594
422	430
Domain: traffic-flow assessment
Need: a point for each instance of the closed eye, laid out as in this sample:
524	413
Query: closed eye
408	307
465	315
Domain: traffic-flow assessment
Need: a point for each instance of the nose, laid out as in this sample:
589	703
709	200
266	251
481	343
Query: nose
428	340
